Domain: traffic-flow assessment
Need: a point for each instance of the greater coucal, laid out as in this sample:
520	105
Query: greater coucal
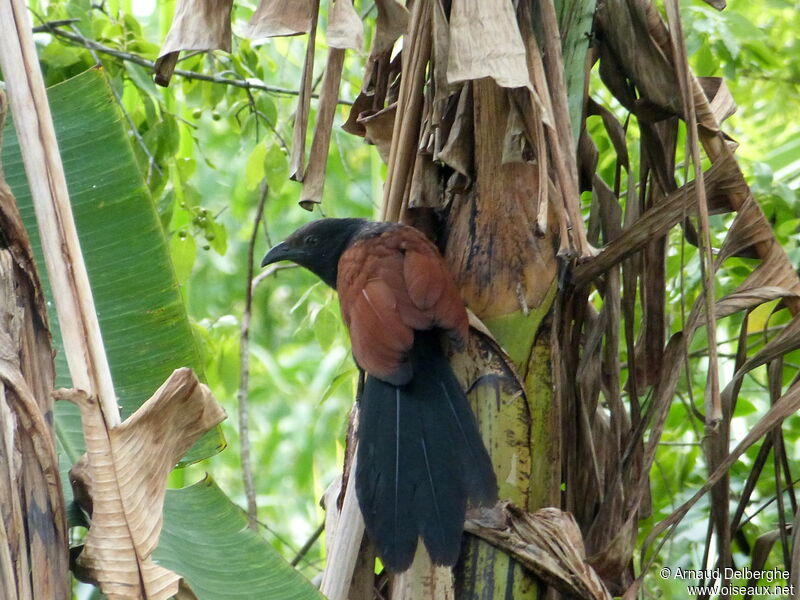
420	455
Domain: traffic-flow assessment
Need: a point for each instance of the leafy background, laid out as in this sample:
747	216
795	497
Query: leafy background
203	149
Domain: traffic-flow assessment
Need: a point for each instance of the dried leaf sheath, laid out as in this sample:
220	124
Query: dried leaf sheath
548	542
344	31
314	177
33	530
297	161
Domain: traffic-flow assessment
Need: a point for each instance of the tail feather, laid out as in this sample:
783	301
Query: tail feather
380	482
440	500
420	459
480	478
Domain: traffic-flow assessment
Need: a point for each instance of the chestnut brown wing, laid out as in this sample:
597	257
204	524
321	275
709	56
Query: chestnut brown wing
389	286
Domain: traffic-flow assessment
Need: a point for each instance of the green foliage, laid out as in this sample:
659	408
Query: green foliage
753	47
206	539
142	316
204	151
147	335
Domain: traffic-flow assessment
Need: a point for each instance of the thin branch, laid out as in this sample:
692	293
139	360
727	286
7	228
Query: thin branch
270	270
303	551
188	55
247	84
244	377
772	499
251	104
309	543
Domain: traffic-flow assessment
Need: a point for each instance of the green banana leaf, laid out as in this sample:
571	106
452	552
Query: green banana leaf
142	317
145	329
206	540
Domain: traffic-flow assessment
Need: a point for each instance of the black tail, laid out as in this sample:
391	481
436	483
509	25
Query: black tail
420	459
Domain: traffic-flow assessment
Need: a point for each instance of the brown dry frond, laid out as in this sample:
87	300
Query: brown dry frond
33	528
121	481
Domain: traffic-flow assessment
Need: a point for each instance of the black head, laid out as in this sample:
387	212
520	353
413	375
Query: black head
317	246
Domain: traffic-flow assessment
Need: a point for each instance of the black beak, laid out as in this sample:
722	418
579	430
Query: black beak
278	253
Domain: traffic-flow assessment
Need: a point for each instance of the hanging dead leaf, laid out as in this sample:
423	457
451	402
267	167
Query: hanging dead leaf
749	231
297	161
392	22
275	18
125	473
749	298
656	221
196	25
458	150
645	62
378	129
476	25
362	108
425	185
345	29
721	101
314	177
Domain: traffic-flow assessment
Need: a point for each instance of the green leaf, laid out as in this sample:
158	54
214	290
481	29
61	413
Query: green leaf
168	136
575	20
276	168
254	170
183	250
206	540
142	317
60	57
140	77
326	327
217	236
213	95
266	106
705	63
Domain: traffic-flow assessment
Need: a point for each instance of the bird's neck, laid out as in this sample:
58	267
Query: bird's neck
328	269
326	264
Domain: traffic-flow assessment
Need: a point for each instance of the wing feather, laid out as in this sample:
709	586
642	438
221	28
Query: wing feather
390	286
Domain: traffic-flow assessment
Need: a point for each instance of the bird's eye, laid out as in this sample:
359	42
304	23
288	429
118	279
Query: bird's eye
311	240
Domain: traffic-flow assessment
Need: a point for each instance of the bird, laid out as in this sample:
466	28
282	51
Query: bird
420	456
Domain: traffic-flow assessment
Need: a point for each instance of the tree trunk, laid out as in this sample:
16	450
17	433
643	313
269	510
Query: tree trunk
476	150
33	534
